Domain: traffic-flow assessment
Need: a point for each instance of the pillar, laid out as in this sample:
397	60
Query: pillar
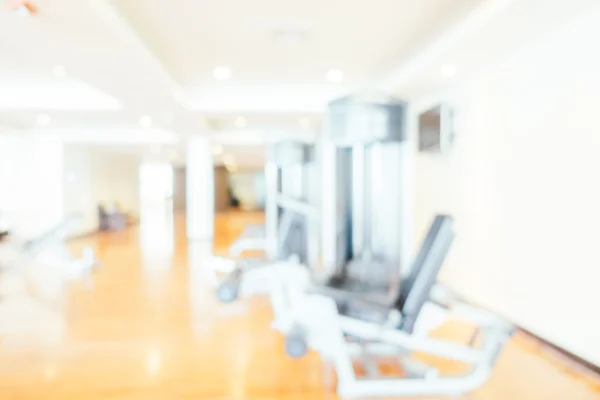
200	189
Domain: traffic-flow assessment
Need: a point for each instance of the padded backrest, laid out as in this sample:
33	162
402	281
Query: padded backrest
292	236
417	286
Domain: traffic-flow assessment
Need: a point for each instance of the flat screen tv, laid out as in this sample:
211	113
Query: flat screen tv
435	129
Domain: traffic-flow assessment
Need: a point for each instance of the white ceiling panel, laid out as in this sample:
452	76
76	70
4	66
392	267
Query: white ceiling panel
357	36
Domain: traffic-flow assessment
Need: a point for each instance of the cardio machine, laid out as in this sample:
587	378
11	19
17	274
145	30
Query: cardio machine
290	227
365	310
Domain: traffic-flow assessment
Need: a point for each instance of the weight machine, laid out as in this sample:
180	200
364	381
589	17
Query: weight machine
350	328
45	261
290	228
364	306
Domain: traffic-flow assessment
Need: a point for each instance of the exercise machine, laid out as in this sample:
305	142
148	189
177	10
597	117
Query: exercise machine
350	328
291	227
361	197
366	308
45	260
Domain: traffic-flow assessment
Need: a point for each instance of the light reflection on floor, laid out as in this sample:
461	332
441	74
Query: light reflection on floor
157	233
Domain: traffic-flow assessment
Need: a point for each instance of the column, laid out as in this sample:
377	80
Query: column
200	189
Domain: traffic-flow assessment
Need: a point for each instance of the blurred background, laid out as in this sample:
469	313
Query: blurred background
152	122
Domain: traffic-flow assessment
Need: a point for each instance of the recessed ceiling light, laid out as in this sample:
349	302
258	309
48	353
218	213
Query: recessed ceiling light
240	122
146	121
335	75
448	70
305	122
217	149
59	71
222	73
43	119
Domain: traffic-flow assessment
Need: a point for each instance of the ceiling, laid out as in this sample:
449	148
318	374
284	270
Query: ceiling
360	37
95	69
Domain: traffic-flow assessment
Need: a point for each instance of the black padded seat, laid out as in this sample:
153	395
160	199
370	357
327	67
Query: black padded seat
414	291
416	288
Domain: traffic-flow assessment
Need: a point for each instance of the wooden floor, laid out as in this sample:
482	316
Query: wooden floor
147	327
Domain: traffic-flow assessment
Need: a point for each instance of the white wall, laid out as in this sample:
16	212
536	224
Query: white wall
78	196
523	185
30	182
96	176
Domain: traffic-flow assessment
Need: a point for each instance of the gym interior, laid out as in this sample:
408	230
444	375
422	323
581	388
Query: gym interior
260	199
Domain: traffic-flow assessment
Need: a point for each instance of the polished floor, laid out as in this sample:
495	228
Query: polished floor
146	326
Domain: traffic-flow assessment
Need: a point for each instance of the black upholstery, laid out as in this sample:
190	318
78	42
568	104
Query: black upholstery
416	288
414	291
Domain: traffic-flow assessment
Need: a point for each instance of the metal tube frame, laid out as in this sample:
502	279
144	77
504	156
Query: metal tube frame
260	278
326	332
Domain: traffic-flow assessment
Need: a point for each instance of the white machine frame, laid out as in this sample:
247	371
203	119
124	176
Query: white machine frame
325	331
253	238
269	238
308	316
45	260
343	318
312	321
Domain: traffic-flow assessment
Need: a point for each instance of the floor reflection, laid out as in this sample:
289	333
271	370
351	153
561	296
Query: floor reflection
157	245
157	235
201	285
134	335
25	320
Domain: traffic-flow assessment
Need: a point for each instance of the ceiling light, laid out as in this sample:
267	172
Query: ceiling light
305	123
335	75
43	119
240	122
217	149
448	70
59	71
146	121
222	73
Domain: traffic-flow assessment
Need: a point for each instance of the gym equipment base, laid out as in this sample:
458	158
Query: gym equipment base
314	320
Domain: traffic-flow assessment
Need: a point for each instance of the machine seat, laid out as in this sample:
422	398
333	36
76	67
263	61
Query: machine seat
358	299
